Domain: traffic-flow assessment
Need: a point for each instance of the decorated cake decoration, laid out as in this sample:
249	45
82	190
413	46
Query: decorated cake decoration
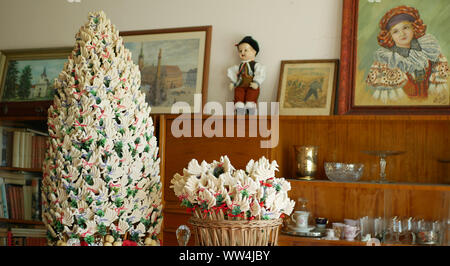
101	183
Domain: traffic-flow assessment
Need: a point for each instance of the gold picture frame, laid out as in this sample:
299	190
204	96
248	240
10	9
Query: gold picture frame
174	65
27	78
307	87
359	42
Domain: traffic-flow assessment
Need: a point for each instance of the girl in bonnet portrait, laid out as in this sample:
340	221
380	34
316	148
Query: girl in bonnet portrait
409	64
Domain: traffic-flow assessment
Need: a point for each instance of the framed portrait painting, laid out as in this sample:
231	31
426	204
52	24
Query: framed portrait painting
27	76
307	87
174	65
394	57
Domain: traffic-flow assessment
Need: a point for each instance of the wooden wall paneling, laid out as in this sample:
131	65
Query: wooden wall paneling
444	168
434	153
288	131
350	136
355	140
417	151
329	202
409	158
321	140
419	203
361	202
342	135
342	138
390	139
365	140
444	154
331	145
298	190
429	151
394	203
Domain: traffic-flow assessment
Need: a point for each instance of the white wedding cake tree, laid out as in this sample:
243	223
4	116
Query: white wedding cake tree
101	183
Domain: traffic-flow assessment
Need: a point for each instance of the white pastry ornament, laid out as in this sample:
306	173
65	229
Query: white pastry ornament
101	180
218	191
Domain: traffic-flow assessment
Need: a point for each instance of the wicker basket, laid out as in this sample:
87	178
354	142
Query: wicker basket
235	233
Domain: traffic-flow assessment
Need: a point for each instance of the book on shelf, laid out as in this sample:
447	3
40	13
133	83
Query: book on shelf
4	201
6	137
22	147
20	196
23	237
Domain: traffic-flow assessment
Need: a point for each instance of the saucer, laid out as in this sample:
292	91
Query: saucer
300	229
330	238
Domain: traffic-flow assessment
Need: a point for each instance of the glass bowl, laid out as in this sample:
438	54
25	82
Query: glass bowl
343	172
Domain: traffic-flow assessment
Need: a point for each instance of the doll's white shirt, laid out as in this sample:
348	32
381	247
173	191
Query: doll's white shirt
258	76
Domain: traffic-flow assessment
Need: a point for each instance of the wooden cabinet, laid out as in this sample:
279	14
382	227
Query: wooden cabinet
420	178
353	200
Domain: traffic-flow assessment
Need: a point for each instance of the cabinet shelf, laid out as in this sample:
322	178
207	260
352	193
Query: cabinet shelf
288	240
16	221
373	185
34	170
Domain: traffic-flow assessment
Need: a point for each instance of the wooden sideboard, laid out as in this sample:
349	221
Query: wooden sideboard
420	178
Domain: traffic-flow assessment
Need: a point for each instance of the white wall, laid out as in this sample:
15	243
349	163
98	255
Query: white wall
285	29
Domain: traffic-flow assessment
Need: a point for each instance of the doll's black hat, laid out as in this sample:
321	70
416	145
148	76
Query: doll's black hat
251	42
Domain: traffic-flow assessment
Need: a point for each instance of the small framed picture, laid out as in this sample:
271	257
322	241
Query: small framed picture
174	65
307	87
27	79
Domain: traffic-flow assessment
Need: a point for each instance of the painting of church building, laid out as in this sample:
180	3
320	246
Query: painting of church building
159	78
41	88
190	77
30	80
169	70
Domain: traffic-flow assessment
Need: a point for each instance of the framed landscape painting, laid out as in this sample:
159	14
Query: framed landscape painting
27	79
174	65
307	87
394	57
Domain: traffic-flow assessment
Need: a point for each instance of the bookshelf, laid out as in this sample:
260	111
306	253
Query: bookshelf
22	153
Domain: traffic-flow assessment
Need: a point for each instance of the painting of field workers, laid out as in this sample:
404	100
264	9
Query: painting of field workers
307	87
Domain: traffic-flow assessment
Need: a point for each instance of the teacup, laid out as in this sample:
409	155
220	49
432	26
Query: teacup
350	232
331	234
300	219
351	222
338	230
